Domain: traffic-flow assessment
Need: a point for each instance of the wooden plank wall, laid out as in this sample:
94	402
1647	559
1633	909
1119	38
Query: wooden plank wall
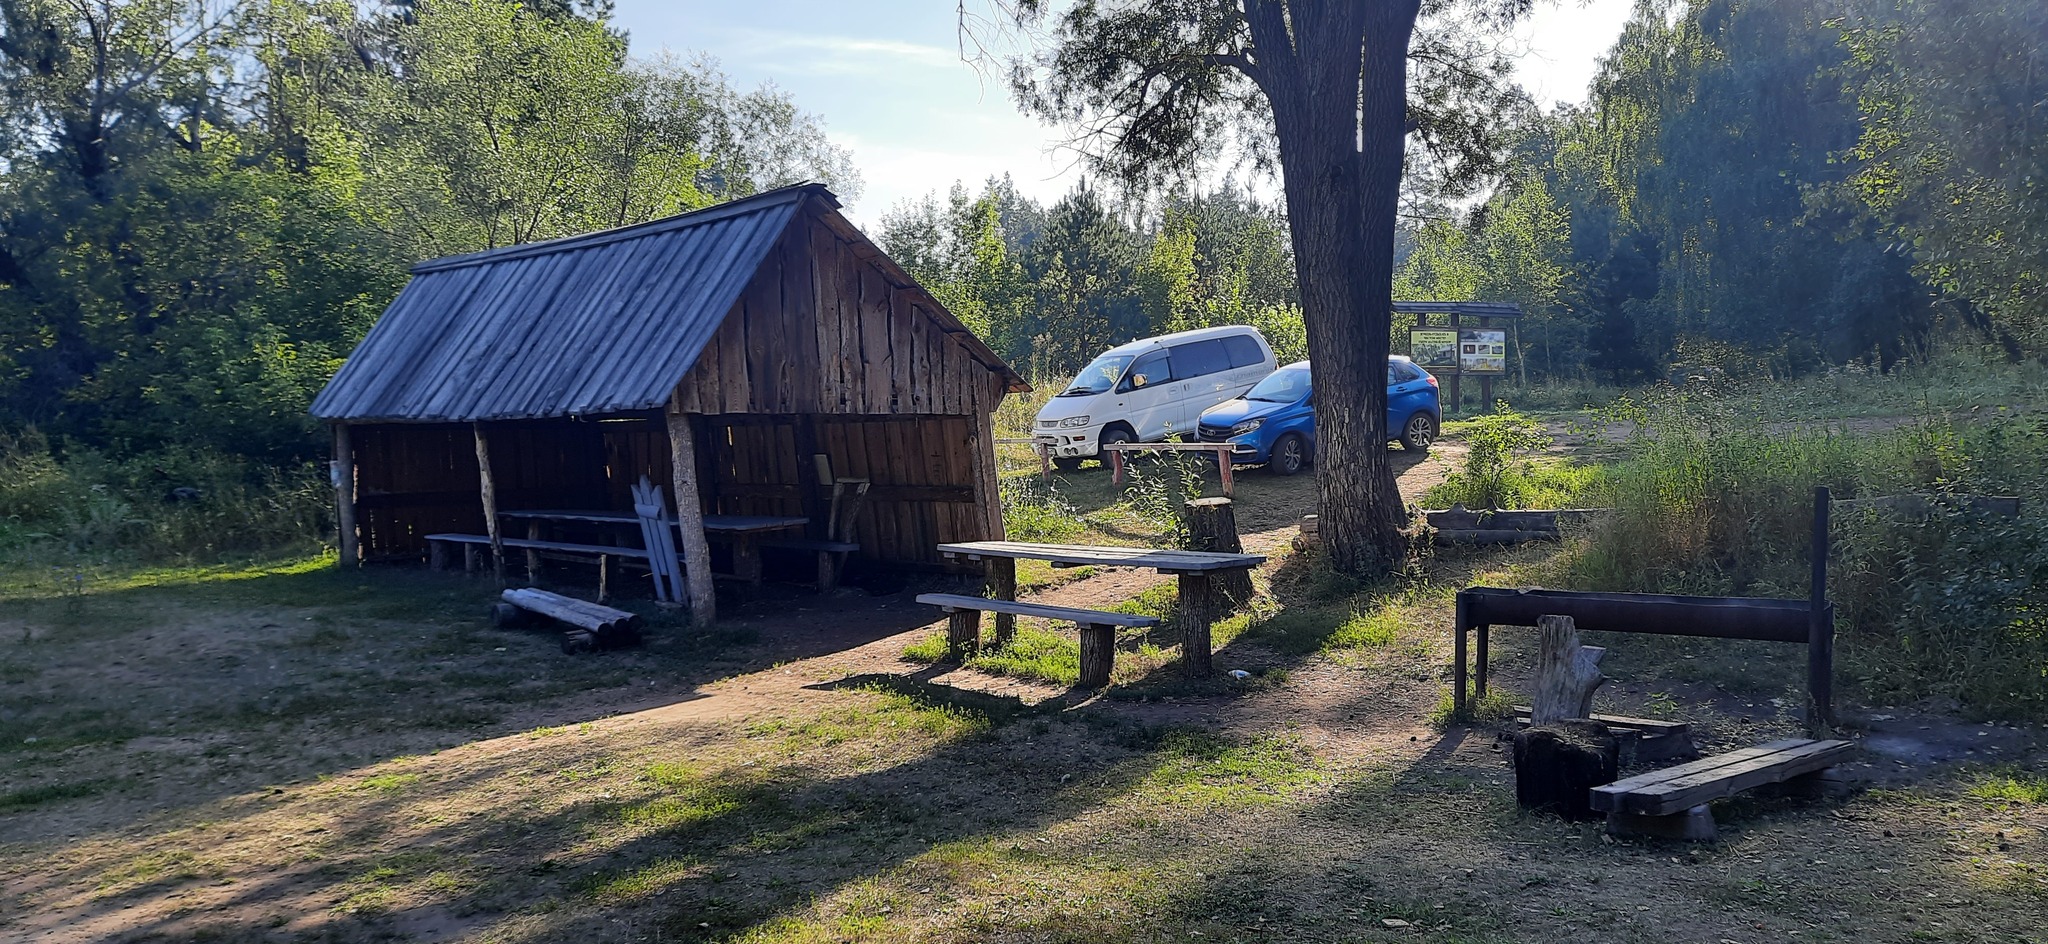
821	329
418	479
924	476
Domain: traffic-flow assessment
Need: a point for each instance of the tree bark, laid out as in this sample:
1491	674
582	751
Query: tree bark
490	501
1566	673
690	521
1340	115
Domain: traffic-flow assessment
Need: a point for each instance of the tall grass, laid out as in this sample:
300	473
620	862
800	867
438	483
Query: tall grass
1953	604
176	506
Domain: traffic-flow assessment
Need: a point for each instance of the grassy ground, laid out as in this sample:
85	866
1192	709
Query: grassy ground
278	751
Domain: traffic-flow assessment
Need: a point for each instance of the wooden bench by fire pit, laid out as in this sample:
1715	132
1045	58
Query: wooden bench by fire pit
1672	803
1098	628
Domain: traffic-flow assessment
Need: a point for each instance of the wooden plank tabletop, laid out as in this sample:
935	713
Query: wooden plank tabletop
1088	555
745	523
1170	447
723	523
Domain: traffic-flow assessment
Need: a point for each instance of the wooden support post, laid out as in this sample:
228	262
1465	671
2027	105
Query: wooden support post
490	497
437	555
963	634
1479	660
343	472
1197	614
1820	636
1098	654
1002	585
1116	466
1458	627
1223	467
690	520
1566	673
1212	527
532	554
1044	461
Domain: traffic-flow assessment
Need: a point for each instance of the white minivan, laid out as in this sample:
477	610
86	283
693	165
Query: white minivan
1151	389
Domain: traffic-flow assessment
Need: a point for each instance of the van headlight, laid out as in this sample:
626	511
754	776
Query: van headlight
1247	426
1073	421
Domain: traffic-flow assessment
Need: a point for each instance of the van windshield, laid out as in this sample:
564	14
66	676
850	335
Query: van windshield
1099	376
1281	386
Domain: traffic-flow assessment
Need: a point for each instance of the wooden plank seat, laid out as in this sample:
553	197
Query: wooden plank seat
831	557
472	545
1672	802
1098	628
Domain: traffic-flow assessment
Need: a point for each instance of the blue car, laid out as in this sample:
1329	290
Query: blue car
1275	422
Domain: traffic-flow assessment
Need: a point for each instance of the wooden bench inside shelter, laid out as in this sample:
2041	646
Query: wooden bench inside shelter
1098	628
474	545
1672	802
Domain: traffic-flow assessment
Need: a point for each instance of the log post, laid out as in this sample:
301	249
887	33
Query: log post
1197	613
963	634
1558	765
1002	585
1566	673
1098	654
690	520
490	498
1820	638
344	474
1212	526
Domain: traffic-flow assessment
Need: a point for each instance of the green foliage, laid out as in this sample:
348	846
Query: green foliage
1161	485
1496	473
1034	511
1717	500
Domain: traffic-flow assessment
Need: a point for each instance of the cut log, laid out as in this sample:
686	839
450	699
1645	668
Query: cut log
1212	526
1098	654
1566	673
963	634
604	624
1557	767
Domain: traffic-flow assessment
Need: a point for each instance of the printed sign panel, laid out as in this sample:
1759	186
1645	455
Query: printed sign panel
1482	351
1433	348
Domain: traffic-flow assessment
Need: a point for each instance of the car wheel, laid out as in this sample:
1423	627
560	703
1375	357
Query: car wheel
1289	455
1418	433
1113	436
1067	463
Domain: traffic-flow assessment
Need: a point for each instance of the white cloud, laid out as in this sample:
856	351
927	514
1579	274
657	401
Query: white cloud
804	54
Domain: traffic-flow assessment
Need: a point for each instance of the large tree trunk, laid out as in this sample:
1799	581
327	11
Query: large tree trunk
1341	201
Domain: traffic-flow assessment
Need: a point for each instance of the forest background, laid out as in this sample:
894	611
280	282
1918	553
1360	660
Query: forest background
204	206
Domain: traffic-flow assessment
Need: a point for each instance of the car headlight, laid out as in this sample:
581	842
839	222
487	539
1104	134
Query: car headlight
1073	421
1246	427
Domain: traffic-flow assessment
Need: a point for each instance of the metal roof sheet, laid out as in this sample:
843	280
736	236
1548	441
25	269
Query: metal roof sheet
605	322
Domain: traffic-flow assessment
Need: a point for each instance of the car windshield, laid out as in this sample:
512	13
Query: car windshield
1099	376
1281	386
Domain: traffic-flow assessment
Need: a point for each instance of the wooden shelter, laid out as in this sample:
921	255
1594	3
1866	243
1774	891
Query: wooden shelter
720	352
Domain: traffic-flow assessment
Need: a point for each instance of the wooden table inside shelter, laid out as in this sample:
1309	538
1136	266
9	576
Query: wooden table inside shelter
1198	609
742	530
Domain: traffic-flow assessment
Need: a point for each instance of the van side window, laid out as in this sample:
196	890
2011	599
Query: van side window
1243	351
1153	368
1198	358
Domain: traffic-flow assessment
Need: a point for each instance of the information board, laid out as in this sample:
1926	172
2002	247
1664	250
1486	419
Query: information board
1482	351
1433	348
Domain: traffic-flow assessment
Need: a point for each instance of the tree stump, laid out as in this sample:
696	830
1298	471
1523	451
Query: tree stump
1098	654
963	634
1566	673
1212	526
1557	766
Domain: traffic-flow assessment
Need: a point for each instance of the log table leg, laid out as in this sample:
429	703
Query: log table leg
1002	585
437	555
1197	613
532	555
1098	654
746	559
963	634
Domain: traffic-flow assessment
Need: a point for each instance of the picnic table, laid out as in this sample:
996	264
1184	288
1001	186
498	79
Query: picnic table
1222	450
743	530
1198	610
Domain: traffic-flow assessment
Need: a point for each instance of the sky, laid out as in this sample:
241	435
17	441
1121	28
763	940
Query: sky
889	81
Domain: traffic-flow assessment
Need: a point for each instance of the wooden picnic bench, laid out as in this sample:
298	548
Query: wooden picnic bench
1098	628
1673	802
1198	606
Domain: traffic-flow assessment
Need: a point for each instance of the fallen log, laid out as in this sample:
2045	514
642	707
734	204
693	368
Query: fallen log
603	626
1462	536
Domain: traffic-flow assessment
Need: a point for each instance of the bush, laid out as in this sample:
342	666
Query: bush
82	504
1497	472
1950	605
1160	485
1034	510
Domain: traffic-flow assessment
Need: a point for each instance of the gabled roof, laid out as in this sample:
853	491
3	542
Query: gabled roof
605	322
